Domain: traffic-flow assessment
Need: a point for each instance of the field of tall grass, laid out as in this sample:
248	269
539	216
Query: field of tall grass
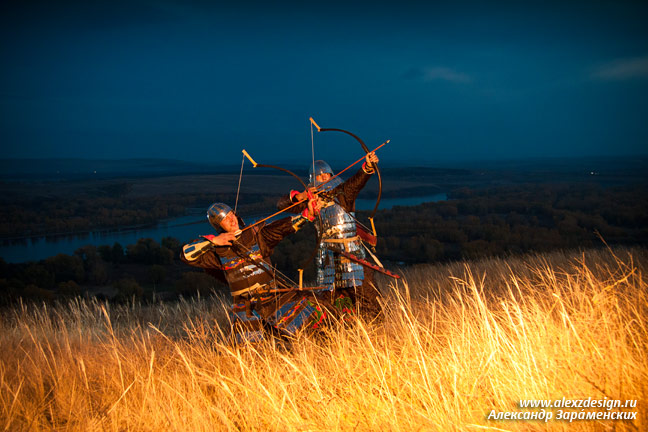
460	345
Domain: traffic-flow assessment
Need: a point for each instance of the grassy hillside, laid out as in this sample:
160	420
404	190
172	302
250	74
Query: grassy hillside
460	346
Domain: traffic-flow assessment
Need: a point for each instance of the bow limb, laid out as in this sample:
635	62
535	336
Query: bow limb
247	155
286	171
366	150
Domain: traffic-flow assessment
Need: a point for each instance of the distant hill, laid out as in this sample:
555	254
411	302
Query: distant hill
68	169
56	169
78	169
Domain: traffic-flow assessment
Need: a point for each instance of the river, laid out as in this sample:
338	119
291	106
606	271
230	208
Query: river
183	228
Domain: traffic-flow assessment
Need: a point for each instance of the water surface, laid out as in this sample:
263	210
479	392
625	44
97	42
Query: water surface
184	228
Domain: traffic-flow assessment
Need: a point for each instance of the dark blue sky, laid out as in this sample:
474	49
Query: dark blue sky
444	81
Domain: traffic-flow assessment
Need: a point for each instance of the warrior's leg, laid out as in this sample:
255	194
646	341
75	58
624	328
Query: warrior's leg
294	313
246	324
368	295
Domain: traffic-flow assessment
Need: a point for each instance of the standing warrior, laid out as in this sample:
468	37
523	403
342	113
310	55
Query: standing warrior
262	300
338	233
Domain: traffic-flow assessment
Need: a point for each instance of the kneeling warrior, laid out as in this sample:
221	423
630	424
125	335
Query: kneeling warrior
338	233
262	301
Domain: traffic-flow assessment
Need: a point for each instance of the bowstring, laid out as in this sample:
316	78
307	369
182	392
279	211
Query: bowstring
239	184
278	275
312	147
317	192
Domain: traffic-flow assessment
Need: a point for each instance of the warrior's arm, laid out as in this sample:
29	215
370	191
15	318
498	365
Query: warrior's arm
201	253
270	235
196	254
290	199
348	191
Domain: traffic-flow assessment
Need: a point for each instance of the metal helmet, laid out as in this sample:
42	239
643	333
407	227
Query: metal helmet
322	167
216	213
319	167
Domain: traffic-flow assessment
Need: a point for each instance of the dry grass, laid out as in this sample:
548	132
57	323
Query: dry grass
457	342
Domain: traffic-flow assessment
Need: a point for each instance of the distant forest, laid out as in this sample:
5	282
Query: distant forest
474	222
109	208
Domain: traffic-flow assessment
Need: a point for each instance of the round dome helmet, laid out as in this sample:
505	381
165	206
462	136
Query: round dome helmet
318	167
217	212
321	167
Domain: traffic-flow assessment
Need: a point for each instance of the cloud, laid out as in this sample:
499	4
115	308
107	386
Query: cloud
437	73
622	69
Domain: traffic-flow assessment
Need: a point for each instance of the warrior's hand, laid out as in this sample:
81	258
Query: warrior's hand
370	163
301	196
223	239
371	159
313	208
316	204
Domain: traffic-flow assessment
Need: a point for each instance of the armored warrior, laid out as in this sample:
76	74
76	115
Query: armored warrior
262	300
338	233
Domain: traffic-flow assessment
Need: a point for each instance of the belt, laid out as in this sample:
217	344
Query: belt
342	240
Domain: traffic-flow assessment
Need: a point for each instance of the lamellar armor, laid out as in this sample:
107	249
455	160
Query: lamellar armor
338	233
336	227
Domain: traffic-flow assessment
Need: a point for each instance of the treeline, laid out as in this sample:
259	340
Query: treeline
509	219
497	221
42	216
141	270
473	223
